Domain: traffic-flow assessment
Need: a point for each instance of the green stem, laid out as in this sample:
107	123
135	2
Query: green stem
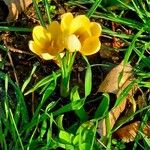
66	67
64	87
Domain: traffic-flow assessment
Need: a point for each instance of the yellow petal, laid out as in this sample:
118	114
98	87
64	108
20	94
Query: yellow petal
73	43
47	56
40	52
52	49
54	29
34	48
65	21
41	36
96	29
83	34
78	22
57	39
90	46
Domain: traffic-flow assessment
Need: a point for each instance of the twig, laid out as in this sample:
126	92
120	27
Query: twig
15	50
14	70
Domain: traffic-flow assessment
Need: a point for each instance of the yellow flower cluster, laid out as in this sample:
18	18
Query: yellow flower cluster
73	33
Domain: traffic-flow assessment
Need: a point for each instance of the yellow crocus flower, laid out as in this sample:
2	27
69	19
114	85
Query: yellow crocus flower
47	42
80	34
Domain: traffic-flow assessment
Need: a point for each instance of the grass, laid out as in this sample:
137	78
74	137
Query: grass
66	123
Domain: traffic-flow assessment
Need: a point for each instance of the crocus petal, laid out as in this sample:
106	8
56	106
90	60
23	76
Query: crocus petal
83	34
41	36
54	29
73	43
35	48
65	21
40	52
57	40
95	29
78	22
47	56
90	46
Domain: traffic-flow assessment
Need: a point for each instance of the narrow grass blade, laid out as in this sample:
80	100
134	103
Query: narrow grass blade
21	106
145	138
30	77
2	138
38	13
138	10
46	94
34	120
94	135
43	82
47	7
131	47
134	114
16	130
125	21
93	8
124	93
15	29
49	133
125	4
6	106
31	138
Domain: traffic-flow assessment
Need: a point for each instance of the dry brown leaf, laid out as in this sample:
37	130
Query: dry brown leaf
141	101
129	132
113	116
15	7
110	85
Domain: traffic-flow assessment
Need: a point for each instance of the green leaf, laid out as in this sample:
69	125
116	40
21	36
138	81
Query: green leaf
74	96
131	47
124	93
15	130
38	13
43	129
75	105
44	81
88	81
47	7
93	8
59	122
15	29
85	146
88	78
2	137
66	137
85	134
30	77
145	138
21	106
103	107
125	21
50	89
43	117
